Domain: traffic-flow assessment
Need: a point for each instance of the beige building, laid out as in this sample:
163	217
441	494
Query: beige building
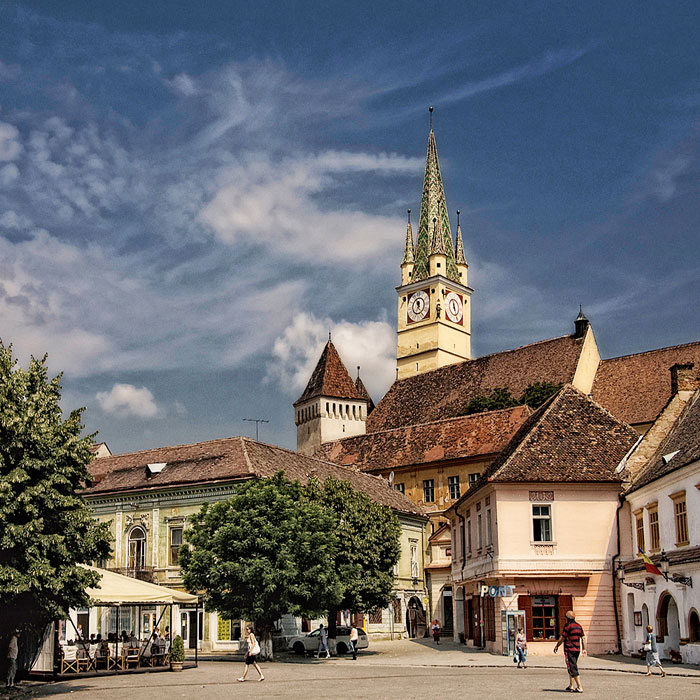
147	498
535	536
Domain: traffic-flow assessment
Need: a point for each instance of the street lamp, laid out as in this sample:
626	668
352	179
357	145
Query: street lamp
665	563
621	575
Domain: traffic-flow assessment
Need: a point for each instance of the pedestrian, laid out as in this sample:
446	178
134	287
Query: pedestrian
12	653
354	639
652	652
574	641
520	655
251	656
323	642
436	631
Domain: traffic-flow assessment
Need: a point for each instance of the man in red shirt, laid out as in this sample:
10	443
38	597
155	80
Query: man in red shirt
574	641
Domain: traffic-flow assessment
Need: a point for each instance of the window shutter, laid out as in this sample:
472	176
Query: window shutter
525	604
564	603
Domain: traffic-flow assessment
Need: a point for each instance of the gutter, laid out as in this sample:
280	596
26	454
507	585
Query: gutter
616	556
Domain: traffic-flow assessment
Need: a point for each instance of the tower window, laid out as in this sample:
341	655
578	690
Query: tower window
327	409
354	411
437	265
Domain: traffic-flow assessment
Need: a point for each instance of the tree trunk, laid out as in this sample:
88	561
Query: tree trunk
263	632
332	630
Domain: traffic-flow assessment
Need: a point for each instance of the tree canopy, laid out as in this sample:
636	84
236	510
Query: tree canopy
534	396
277	547
46	529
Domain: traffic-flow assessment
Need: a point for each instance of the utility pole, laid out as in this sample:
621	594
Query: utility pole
257	422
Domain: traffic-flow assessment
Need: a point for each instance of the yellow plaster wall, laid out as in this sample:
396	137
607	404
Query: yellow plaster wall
588	362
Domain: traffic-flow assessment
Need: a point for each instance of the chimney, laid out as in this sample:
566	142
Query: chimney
683	378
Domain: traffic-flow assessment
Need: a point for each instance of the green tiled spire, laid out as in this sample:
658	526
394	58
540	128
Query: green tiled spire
408	252
459	245
433	207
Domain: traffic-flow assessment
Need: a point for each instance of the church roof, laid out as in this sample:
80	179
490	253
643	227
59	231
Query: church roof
459	246
637	387
441	393
569	439
362	390
454	438
330	378
409	253
433	207
232	459
683	439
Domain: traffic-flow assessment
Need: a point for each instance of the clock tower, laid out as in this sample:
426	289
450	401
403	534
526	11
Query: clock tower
434	326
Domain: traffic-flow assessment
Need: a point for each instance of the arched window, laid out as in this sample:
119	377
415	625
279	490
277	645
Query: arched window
137	548
694	627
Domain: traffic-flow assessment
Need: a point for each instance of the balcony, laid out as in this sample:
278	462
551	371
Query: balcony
143	573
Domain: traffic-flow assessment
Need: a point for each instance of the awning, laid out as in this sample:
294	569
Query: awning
115	589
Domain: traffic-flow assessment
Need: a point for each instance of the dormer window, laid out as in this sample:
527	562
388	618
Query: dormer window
155	468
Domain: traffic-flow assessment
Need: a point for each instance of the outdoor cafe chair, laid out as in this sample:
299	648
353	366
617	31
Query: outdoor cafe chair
69	660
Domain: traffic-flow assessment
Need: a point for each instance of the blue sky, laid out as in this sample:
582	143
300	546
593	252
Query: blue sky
193	194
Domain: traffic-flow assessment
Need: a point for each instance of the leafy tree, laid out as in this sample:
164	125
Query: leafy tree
46	529
369	548
499	398
536	394
263	552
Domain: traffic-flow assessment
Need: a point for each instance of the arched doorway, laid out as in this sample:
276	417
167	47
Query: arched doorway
645	618
137	549
668	623
415	619
694	627
631	629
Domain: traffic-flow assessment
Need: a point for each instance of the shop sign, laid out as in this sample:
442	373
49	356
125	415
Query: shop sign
497	591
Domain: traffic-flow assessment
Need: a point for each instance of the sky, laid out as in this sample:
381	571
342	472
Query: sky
193	194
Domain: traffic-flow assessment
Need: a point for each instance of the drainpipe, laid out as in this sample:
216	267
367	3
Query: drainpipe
464	546
616	556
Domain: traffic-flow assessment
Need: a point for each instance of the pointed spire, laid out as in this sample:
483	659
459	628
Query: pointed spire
409	255
459	245
437	245
581	323
433	207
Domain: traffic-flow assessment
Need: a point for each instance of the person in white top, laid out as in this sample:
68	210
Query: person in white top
251	657
323	642
354	639
12	653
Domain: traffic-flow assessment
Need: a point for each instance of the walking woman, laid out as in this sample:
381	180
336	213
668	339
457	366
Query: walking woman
436	631
520	655
652	652
251	656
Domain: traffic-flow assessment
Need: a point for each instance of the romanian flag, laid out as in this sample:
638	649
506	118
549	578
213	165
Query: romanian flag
649	564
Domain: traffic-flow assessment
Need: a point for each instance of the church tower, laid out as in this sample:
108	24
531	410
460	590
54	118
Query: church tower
434	327
332	405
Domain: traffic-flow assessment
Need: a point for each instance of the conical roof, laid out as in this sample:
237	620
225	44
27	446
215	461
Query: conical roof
460	259
360	386
330	378
409	251
433	207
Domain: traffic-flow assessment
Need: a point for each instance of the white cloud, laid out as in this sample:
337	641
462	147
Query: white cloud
275	205
12	220
183	84
128	400
10	145
8	174
370	344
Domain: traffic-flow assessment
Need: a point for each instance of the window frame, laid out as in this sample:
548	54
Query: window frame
400	487
654	527
639	529
173	561
680	518
428	488
454	487
540	517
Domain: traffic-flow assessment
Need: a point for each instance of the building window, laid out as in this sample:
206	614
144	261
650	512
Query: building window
453	483
469	537
228	630
401	488
544	617
639	527
490	619
375	617
654	535
429	490
415	571
541	523
137	549
680	514
478	532
694	627
175	544
473	478
397	610
489	534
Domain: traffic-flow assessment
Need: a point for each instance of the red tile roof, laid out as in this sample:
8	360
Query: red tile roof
454	438
231	459
431	396
362	390
637	387
569	439
330	378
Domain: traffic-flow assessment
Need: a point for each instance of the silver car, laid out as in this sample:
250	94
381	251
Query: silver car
308	643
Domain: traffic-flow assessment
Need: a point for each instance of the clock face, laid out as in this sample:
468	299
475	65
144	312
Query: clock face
455	312
418	306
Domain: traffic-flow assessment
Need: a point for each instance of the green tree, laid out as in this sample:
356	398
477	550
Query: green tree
499	398
46	529
536	394
369	535
263	552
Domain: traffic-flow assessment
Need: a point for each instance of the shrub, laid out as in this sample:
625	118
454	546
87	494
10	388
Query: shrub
177	651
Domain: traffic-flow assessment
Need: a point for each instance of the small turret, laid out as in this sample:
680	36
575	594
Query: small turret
460	259
409	255
581	323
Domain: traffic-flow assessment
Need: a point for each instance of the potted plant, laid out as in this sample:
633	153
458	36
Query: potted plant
177	653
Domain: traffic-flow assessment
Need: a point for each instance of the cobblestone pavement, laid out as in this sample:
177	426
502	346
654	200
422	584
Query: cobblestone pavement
390	671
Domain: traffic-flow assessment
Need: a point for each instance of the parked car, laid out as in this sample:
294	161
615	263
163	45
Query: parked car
308	643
